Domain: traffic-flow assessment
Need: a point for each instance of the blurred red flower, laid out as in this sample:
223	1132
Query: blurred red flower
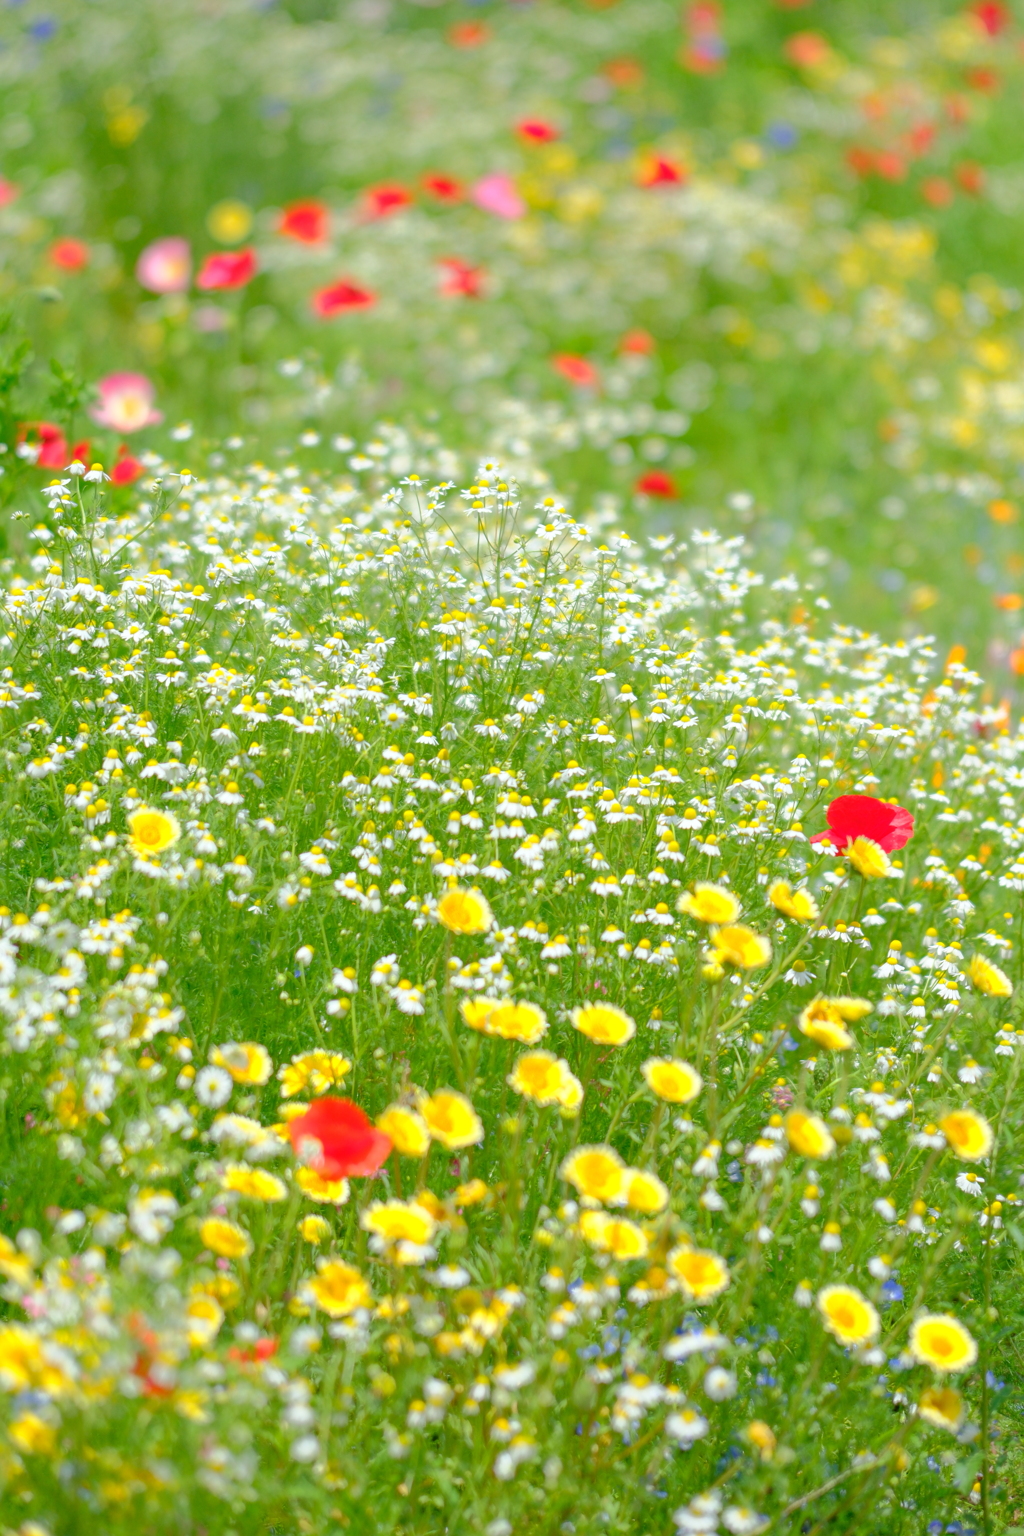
69	254
852	816
459	279
807	50
128	468
536	131
51	442
576	369
341	296
623	73
657	483
468	34
637	341
937	191
228	269
660	171
309	222
971	177
991	16
343	1141
447	189
381	201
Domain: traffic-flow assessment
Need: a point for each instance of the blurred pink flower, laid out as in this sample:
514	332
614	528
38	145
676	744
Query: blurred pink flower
8	191
497	194
126	402
165	266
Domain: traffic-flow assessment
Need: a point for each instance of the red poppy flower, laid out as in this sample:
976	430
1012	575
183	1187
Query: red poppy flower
970	177
937	191
341	296
228	269
860	160
252	1354
459	279
348	1145
637	341
807	50
536	131
991	16
576	369
447	189
128	468
657	483
921	138
70	255
623	73
48	437
380	202
468	34
659	171
890	165
987	80
851	816
308	222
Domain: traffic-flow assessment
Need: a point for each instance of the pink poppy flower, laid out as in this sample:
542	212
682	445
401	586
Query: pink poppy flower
126	403
165	266
497	194
228	269
8	191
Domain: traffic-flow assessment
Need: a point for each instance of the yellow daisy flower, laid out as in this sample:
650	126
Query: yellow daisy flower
247	1062
339	1289
225	1238
848	1315
674	1081
808	1134
968	1133
623	1239
253	1183
942	1342
462	911
152	831
702	1275
739	946
451	1119
315	1187
409	1132
597	1172
868	859
799	905
988	978
603	1023
710	904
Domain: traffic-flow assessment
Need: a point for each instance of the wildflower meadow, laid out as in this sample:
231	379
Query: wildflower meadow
511	850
